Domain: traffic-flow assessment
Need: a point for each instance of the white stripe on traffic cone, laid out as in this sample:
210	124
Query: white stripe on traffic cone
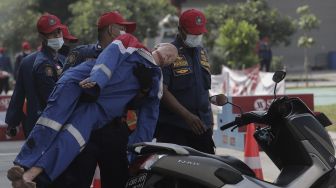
96	179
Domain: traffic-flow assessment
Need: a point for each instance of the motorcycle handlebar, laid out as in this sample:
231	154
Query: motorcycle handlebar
246	118
228	125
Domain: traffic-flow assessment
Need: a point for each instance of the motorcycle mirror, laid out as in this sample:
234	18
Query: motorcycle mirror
221	100
218	100
278	76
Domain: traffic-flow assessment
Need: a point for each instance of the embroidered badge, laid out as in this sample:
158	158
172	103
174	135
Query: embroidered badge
198	20
72	58
48	71
204	61
52	22
59	70
182	71
180	62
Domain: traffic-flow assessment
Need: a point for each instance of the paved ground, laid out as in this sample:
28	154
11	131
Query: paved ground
8	150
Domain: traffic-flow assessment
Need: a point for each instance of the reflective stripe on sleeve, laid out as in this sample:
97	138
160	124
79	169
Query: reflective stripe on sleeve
76	134
49	123
103	68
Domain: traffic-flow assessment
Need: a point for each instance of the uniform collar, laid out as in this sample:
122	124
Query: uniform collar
50	54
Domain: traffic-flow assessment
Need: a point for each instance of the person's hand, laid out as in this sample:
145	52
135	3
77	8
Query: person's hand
195	124
144	76
87	83
11	131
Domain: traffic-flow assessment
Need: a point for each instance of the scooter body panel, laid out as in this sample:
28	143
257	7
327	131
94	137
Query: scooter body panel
197	169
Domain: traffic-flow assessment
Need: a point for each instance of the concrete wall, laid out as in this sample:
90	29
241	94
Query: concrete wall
293	57
325	36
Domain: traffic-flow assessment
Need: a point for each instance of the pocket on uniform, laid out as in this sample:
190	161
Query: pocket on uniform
183	82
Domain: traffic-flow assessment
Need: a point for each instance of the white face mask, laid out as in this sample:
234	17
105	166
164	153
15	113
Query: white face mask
193	40
56	43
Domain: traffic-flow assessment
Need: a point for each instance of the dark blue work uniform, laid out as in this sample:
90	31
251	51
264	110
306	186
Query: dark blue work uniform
106	147
18	60
46	71
82	53
189	80
24	89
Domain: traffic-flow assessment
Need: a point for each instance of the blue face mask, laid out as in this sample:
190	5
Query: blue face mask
56	43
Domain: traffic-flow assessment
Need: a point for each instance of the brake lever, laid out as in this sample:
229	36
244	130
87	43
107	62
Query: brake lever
235	127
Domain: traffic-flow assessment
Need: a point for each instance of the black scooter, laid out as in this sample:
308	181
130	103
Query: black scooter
294	138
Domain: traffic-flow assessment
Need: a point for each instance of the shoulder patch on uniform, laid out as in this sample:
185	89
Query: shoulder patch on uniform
180	61
72	58
204	55
182	71
204	60
48	70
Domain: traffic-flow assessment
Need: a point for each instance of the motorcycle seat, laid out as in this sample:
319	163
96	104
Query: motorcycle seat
232	161
153	147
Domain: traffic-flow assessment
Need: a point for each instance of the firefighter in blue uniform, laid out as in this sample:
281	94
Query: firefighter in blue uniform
65	125
185	111
24	90
48	63
107	146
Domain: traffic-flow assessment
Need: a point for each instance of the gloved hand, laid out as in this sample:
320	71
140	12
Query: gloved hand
144	76
11	131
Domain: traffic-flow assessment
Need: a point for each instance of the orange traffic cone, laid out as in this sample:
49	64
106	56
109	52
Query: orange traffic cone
251	155
96	179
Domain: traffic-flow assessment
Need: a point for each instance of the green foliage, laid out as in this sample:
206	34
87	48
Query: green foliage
59	8
236	41
18	17
267	21
87	12
276	63
306	23
18	20
18	23
305	41
147	14
330	112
